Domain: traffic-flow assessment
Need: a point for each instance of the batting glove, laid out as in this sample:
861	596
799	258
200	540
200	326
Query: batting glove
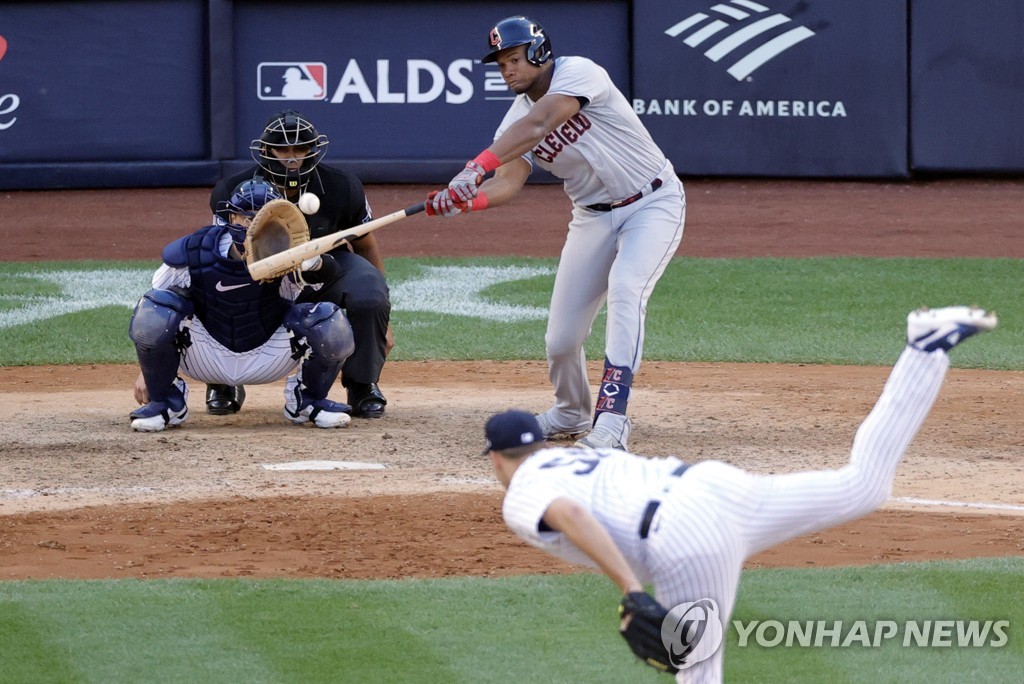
463	187
440	203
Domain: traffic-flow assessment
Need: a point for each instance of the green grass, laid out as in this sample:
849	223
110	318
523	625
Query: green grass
844	311
520	629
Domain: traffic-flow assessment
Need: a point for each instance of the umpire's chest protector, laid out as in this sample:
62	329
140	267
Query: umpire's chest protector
239	312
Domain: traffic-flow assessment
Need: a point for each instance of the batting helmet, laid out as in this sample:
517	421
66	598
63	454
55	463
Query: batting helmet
289	129
247	199
515	31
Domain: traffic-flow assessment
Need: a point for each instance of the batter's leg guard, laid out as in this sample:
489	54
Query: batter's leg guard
613	395
156	329
322	337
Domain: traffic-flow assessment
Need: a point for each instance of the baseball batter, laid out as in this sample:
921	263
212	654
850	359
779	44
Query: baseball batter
208	319
627	220
687	529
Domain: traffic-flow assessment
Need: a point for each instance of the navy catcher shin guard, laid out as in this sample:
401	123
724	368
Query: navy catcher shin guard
156	329
323	338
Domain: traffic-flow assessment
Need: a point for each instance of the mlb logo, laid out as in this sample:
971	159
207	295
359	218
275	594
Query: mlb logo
291	81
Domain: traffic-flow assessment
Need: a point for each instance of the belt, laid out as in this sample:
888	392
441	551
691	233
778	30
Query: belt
652	505
654	185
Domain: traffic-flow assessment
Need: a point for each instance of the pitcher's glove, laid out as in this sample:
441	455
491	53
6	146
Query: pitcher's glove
277	226
640	618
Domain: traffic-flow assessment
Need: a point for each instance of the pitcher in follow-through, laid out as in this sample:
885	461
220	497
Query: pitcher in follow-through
628	212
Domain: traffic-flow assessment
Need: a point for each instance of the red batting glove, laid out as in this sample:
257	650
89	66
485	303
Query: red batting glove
463	187
440	203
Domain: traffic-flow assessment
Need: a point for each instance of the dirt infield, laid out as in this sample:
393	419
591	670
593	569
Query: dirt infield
83	496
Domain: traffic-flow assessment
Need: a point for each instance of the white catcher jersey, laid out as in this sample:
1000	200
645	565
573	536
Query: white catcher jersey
613	485
604	153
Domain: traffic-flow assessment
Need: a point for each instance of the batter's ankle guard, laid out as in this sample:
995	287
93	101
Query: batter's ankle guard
613	395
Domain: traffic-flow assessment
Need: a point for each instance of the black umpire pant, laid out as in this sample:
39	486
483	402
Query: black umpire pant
362	292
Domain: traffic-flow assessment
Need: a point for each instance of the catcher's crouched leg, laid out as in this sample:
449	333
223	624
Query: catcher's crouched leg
159	335
322	338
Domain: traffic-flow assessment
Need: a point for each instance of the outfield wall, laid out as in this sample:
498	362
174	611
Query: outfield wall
171	92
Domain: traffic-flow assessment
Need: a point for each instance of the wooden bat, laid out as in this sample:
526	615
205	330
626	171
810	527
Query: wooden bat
291	258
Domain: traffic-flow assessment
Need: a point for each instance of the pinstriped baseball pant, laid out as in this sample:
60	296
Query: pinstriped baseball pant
207	360
717	515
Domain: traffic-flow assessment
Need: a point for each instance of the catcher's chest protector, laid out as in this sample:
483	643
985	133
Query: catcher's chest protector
238	312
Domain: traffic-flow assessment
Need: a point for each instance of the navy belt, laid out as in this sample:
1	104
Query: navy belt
652	505
655	184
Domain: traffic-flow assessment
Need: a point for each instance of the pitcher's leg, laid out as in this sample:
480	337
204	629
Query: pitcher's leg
795	504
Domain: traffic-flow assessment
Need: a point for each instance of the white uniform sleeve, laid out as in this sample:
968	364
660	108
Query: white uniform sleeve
168	276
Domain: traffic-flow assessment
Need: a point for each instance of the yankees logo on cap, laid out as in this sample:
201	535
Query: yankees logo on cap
511	429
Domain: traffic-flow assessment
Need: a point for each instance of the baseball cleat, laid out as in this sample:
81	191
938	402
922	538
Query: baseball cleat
600	439
933	329
551	431
223	400
157	415
323	413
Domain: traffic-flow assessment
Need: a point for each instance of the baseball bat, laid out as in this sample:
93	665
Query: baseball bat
291	258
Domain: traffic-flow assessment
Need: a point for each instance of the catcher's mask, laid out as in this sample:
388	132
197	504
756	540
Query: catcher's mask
519	30
289	129
247	199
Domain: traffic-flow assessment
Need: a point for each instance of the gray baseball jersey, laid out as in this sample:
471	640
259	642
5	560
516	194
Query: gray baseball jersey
604	155
713	516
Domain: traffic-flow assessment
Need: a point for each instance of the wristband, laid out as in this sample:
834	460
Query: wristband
487	160
479	202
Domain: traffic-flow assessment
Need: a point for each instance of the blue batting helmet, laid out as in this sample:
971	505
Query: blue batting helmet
519	30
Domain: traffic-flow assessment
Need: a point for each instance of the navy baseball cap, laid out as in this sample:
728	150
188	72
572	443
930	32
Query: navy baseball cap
512	429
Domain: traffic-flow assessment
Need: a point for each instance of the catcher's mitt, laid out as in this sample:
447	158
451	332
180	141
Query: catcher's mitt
640	618
277	226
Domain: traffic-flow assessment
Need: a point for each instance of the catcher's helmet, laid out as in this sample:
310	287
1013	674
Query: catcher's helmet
289	129
247	199
519	30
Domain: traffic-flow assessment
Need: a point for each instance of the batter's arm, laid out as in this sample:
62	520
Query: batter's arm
507	181
547	114
569	517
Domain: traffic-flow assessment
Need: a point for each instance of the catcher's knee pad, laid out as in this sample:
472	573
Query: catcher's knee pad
322	329
157	319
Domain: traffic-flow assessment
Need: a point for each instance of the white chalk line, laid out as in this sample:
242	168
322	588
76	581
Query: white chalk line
958	504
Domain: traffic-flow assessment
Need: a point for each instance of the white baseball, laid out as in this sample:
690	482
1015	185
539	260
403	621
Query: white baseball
309	203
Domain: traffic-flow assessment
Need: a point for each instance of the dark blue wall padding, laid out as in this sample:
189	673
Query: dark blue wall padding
967	85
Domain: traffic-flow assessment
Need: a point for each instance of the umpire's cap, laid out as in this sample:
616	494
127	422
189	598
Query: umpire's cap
512	429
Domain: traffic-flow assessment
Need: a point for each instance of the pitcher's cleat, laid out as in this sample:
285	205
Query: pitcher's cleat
932	329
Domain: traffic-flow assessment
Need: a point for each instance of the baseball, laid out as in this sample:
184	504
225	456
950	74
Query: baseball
309	203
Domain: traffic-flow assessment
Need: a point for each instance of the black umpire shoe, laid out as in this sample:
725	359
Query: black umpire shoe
366	400
223	400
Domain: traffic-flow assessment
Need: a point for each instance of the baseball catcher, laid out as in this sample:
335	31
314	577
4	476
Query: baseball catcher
207	319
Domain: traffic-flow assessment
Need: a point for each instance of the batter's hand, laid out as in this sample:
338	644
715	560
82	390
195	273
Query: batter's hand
440	203
463	187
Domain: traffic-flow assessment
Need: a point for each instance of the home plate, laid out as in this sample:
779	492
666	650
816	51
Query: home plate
323	465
